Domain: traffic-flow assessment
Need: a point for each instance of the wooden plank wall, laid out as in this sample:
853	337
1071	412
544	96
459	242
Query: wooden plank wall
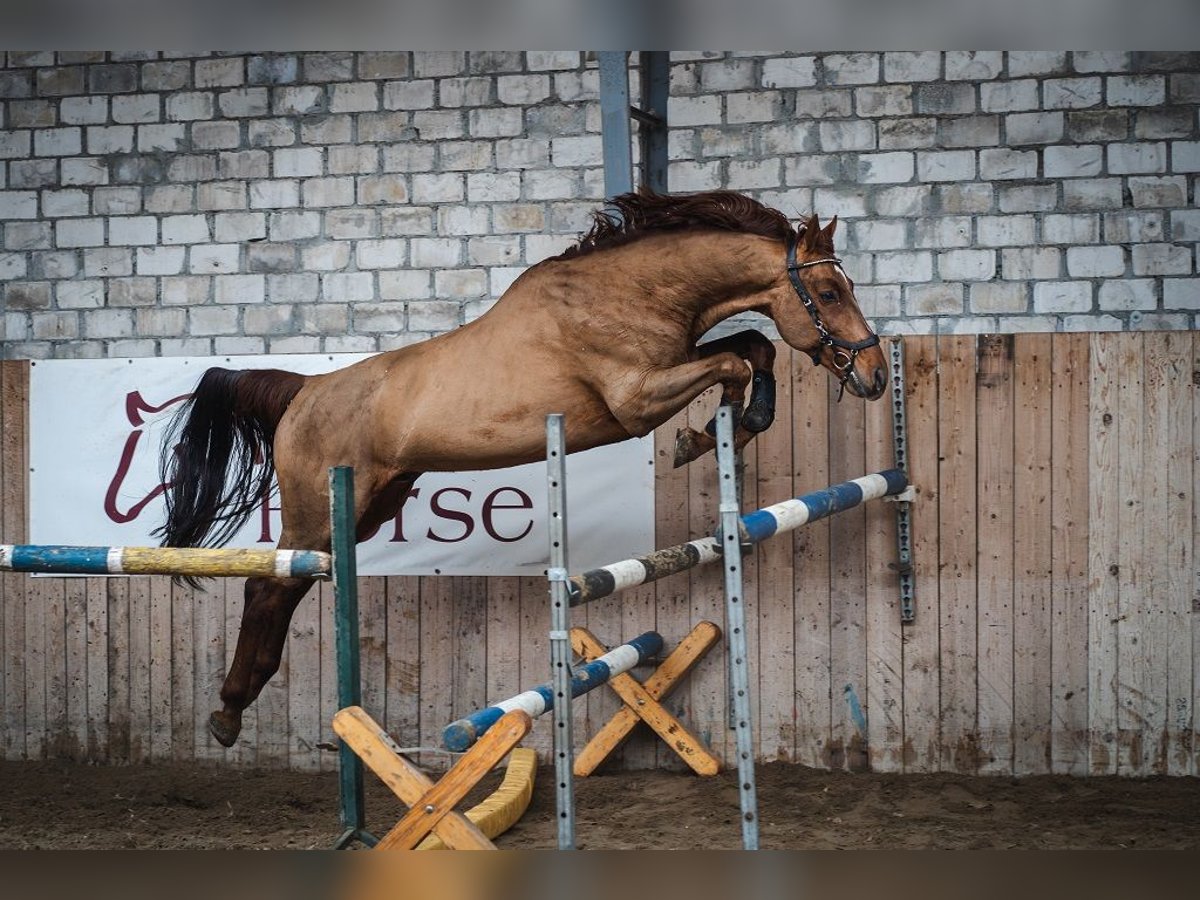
1057	623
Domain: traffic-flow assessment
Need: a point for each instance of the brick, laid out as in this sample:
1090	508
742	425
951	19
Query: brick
970	131
1093	262
1125	159
213	320
687	111
553	185
214	259
759	106
907	65
55	264
821	104
34	113
79	294
1167	191
159	322
1092	193
12	266
383	64
1098	125
112	79
1133	227
938	232
107	262
280	132
405	220
79	232
495	122
1029	198
184	229
274	194
216	135
998	297
1185	225
900	266
1034	128
155	138
789	72
1071	93
263	257
1128	294
136	109
15	84
291	225
132	230
729	142
1002	163
325	192
196	167
58	142
1161	259
1026	263
1164	122
1008	96
132	292
228	72
540	61
1071	229
33	173
1062	297
27	235
1181	293
104	140
522	90
933	299
322	67
243	102
343	287
239	288
435	252
446	187
406	284
83	171
973	65
571	87
1185	156
486	187
272	69
747	174
726	75
1135	90
108	323
1073	161
847	135
1100	60
160	260
380	254
1036	62
185	290
246	164
1005	231
695	176
946	99
84	110
885	168
69	202
305	288
907	133
522	154
950	165
851	68
434	315
360	96
59	82
967	265
508	218
437	124
438	63
583	150
844	202
1185	87
456	92
460	283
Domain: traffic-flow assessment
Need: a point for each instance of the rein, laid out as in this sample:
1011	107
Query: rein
844	352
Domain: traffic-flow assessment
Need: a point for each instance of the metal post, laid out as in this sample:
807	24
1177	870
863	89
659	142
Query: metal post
904	562
614	121
560	629
735	628
345	631
652	128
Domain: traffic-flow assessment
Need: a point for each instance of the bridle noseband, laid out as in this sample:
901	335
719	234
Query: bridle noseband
844	352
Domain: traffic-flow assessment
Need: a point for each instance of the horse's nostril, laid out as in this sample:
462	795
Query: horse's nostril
880	379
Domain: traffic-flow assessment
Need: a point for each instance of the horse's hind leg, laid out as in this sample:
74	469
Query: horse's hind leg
266	615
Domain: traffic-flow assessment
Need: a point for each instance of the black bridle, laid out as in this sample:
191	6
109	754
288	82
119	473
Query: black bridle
844	352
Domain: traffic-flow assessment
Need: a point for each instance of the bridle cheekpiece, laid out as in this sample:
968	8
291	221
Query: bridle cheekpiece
844	352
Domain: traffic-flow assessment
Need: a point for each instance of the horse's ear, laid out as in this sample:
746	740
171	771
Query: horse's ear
831	228
812	228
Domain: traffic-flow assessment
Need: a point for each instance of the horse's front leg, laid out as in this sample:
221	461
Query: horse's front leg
759	413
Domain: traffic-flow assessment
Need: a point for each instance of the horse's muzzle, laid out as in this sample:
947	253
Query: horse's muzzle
859	388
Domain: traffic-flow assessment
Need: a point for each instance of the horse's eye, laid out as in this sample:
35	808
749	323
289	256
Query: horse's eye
828	296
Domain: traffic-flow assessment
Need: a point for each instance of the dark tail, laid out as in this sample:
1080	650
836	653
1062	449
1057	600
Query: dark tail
217	457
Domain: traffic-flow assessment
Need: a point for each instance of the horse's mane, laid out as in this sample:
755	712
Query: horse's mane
642	212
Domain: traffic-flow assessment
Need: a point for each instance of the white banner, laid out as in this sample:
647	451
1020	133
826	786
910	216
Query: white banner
96	427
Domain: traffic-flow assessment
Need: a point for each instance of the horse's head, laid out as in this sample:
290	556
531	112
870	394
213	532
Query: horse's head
816	312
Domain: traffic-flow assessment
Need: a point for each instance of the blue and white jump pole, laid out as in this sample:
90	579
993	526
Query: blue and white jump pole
755	527
459	736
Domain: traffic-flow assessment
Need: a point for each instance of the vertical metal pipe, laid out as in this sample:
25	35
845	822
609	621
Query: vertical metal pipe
614	121
345	631
656	84
735	627
908	608
560	629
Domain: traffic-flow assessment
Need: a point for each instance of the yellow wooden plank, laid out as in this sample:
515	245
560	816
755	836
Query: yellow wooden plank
1178	537
921	676
1070	446
641	703
1032	552
504	808
1104	547
957	552
885	648
810	463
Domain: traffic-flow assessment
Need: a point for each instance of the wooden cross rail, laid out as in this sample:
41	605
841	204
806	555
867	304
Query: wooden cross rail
642	703
431	805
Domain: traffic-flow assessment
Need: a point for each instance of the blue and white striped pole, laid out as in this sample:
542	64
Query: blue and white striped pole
755	527
459	736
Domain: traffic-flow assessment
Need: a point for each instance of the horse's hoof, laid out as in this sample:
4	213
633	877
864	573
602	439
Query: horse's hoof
758	418
224	727
685	447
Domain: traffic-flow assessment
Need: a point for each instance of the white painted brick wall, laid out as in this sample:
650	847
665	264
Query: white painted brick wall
326	193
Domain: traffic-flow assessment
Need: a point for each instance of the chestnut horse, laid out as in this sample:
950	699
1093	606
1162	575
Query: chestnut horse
606	332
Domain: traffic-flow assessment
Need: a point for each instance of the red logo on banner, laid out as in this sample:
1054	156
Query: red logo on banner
134	407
